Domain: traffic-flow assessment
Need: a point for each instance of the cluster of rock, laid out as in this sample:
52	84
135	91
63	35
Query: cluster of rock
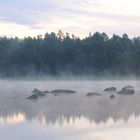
127	90
37	93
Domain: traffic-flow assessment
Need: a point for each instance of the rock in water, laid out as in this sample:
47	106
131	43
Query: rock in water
63	91
93	94
33	96
112	97
37	94
128	86
36	91
127	90
110	89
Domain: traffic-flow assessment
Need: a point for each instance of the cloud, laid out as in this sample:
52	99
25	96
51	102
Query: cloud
12	29
74	16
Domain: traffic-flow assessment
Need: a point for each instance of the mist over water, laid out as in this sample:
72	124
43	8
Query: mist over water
72	117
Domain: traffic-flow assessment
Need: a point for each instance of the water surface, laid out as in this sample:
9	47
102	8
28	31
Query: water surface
68	117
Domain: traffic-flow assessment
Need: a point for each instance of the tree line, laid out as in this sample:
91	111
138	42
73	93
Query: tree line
62	53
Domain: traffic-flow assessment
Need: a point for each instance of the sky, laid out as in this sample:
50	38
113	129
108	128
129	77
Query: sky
33	17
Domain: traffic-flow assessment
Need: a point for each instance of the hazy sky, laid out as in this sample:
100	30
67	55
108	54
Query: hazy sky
33	17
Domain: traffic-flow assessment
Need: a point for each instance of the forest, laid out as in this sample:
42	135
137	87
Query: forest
62	53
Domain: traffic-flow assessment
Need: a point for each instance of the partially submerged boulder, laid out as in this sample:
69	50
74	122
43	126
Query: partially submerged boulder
110	89
128	87
112	97
127	90
36	91
93	94
37	94
33	96
65	91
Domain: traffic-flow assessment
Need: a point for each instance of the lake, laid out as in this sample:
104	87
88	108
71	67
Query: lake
69	117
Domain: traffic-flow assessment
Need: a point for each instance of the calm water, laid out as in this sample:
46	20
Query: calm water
68	117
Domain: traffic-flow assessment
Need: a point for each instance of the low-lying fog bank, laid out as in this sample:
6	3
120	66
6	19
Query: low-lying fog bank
71	77
13	100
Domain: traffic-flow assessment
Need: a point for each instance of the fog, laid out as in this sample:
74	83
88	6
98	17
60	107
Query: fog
68	116
106	76
98	109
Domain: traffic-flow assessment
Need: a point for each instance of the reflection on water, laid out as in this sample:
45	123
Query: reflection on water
71	129
16	118
69	117
63	121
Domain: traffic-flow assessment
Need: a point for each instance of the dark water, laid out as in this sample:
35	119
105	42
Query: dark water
68	117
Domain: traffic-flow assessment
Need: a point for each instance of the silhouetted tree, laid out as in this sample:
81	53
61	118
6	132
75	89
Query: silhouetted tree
64	53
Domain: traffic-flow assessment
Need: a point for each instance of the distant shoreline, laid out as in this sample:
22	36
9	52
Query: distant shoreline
71	78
